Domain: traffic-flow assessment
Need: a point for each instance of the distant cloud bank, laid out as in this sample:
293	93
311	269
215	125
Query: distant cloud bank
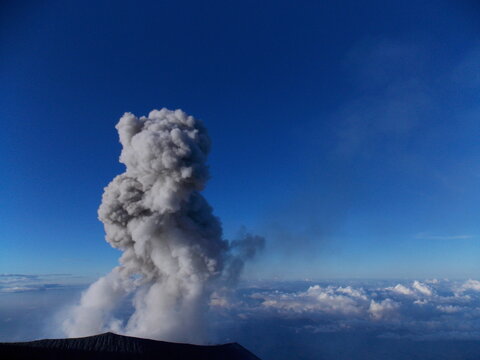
14	283
420	310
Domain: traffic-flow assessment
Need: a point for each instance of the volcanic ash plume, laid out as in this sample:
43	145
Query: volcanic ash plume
174	255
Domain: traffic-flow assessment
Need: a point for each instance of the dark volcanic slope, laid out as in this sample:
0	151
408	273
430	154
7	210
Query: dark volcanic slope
111	346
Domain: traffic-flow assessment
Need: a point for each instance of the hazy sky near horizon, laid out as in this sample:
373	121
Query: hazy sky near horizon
346	133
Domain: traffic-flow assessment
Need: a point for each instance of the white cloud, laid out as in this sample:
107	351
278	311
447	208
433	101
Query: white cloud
422	288
401	289
420	302
219	300
417	288
469	285
358	293
383	309
316	299
11	283
14	289
417	310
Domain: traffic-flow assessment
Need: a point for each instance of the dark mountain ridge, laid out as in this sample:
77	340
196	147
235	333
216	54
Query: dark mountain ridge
112	346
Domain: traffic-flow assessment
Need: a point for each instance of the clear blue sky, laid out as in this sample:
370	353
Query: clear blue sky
346	132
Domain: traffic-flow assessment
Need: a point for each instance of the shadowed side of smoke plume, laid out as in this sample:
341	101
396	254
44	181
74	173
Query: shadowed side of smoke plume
174	256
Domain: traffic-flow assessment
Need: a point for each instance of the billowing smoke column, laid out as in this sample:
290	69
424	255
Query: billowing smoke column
174	255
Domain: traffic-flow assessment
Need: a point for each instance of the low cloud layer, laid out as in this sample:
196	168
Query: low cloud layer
13	283
429	309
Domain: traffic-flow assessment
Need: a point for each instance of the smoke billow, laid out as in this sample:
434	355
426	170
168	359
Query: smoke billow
174	256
